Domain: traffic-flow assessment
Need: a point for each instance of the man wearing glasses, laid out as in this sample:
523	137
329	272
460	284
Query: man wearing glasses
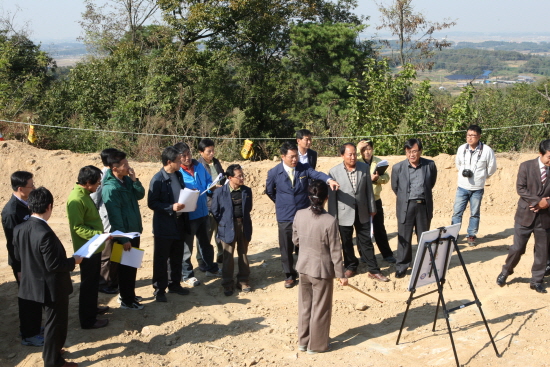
475	162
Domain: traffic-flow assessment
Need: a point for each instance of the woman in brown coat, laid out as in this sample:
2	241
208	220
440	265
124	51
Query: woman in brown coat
320	261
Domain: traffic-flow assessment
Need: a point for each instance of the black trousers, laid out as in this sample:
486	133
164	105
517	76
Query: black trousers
30	314
55	331
167	250
287	248
127	278
364	244
109	269
379	230
417	219
521	236
89	286
198	227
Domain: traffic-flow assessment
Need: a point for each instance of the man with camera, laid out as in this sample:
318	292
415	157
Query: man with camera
475	162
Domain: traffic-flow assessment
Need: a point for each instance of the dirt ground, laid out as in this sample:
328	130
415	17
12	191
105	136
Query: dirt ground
206	328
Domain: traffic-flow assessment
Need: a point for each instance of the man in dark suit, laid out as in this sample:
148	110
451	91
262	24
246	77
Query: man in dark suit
412	180
14	213
354	206
168	225
532	217
286	186
304	138
45	274
231	207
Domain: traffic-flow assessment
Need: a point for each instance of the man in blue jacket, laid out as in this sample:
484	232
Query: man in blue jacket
231	207
196	178
168	225
286	186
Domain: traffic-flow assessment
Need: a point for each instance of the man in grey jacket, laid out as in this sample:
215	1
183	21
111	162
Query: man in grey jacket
354	206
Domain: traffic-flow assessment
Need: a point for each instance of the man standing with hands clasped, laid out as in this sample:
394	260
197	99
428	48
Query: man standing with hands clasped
532	217
353	205
412	181
475	162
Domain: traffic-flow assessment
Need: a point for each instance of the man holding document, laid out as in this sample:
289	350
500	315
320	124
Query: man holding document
168	225
196	178
85	223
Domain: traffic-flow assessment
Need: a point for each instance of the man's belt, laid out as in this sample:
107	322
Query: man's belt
238	219
418	201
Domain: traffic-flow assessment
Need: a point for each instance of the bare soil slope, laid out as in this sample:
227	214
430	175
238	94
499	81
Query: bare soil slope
208	329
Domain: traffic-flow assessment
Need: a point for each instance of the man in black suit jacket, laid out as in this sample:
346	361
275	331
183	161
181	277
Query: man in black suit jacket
532	217
412	180
306	156
45	273
14	213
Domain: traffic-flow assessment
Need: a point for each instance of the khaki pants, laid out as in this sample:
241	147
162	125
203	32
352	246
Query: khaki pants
241	243
314	312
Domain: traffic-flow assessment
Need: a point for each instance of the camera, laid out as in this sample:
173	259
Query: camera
467	173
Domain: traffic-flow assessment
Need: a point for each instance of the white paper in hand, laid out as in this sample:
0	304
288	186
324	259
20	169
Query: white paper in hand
90	247
129	234
189	198
214	183
132	258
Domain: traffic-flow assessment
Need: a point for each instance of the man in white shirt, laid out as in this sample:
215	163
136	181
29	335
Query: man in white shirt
475	162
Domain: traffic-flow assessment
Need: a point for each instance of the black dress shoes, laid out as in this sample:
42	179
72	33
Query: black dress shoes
102	309
547	270
538	287
400	274
501	280
109	290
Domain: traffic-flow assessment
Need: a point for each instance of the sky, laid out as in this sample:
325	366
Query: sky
51	20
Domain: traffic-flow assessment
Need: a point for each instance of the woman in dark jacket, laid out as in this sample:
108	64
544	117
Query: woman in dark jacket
320	261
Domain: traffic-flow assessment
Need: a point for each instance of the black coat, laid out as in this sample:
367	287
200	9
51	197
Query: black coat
14	213
312	158
219	168
45	268
222	210
160	199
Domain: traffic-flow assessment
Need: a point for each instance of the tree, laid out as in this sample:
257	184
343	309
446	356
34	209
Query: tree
105	25
414	32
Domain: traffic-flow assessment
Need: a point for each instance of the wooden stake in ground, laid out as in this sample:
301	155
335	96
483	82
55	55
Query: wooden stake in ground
360	291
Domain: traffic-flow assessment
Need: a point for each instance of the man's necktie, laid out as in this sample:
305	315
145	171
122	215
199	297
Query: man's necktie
291	176
543	175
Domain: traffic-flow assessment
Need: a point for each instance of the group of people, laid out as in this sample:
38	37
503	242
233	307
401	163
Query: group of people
104	201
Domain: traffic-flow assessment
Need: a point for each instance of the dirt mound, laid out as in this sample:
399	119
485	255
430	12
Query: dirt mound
206	328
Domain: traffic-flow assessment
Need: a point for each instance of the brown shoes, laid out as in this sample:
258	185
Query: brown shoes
99	324
349	273
379	276
244	287
289	283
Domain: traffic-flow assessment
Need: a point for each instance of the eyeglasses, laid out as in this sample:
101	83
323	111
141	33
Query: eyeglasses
413	151
29	187
472	135
239	177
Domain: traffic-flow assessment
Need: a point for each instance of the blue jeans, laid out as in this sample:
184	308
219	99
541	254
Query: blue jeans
461	200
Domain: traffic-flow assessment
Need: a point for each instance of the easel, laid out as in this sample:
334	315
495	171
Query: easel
427	248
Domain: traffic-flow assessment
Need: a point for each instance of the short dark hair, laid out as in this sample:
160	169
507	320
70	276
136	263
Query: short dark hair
318	192
301	133
205	143
115	158
368	141
39	200
411	142
544	146
230	171
105	153
89	174
342	149
288	146
182	147
169	154
475	128
20	179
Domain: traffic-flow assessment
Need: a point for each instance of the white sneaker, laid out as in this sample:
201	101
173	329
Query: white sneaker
136	299
192	282
216	274
133	306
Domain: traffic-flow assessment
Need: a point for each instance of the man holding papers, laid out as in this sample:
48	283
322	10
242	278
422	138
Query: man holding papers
196	178
168	225
121	192
85	223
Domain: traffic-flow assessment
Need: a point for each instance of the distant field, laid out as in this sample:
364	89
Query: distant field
68	61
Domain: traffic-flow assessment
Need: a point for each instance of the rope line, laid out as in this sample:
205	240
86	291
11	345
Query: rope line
226	138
